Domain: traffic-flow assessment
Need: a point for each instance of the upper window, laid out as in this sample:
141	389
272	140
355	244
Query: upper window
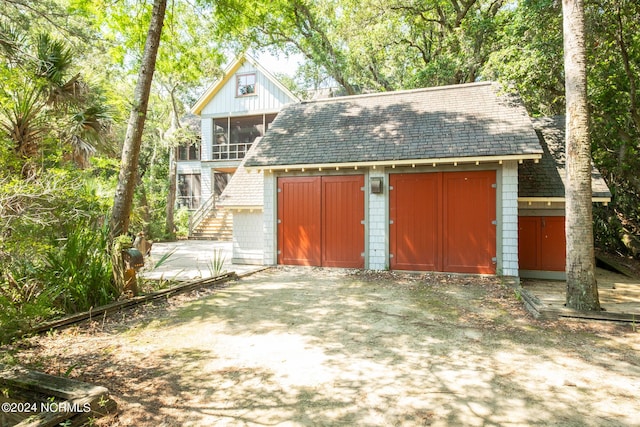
189	152
245	84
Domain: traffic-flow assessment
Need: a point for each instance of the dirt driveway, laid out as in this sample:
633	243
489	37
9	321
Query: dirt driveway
313	347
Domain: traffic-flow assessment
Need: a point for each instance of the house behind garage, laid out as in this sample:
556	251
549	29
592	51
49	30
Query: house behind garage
423	180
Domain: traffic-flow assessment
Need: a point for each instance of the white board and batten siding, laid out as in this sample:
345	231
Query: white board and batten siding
269	97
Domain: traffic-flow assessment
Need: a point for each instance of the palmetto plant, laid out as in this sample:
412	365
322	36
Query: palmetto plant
48	100
78	272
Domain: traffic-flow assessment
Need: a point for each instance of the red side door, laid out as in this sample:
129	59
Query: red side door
541	243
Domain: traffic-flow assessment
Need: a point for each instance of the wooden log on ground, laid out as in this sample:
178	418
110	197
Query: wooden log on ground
119	305
61	399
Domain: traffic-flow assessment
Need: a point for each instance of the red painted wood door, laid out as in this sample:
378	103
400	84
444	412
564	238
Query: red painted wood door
443	221
342	221
553	247
299	221
528	247
415	214
469	214
541	243
320	221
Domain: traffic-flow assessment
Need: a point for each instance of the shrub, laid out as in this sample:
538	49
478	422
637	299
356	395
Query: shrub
78	273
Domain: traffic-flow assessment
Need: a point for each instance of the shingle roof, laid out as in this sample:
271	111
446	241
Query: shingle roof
546	178
470	120
245	189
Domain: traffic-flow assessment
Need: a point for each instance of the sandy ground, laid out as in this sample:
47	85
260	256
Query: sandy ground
315	347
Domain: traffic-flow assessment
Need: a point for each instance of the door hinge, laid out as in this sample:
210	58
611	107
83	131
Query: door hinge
279	252
390	255
362	188
494	185
390	221
362	222
362	254
494	260
279	221
279	190
494	222
390	187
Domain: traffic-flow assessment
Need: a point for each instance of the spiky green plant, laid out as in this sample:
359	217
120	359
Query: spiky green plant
216	265
78	273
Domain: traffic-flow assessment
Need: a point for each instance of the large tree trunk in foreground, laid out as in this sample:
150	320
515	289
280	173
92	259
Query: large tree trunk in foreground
123	200
582	290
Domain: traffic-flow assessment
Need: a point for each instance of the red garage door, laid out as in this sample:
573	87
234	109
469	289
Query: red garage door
443	221
320	221
541	243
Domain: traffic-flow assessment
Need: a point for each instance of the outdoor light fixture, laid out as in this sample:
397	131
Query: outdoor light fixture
376	185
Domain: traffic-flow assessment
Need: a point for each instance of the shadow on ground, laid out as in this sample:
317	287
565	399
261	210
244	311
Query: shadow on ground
303	346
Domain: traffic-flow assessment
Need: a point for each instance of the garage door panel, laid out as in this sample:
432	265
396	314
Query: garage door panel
320	221
443	221
342	215
468	214
299	233
415	213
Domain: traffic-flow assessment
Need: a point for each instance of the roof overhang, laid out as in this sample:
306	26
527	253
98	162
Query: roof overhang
549	200
398	163
242	208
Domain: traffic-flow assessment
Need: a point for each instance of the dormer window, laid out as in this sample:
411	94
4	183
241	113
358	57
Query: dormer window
245	84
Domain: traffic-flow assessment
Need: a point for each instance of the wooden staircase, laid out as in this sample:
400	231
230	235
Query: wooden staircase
217	224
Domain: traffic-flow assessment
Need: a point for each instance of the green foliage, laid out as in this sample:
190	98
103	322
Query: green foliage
68	275
78	272
44	101
23	301
52	258
529	55
182	222
216	265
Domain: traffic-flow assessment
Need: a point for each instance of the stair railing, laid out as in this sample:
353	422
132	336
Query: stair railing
201	213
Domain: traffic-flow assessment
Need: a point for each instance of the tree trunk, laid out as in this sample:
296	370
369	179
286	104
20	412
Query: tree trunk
123	199
173	167
582	289
169	228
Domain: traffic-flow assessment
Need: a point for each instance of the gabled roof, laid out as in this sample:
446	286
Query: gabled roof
473	121
228	74
545	180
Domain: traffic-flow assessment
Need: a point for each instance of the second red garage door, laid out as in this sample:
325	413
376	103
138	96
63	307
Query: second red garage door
443	221
320	221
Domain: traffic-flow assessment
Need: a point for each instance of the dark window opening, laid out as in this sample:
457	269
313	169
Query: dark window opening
189	191
233	136
189	152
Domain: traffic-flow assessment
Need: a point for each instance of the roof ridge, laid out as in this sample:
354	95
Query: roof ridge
398	92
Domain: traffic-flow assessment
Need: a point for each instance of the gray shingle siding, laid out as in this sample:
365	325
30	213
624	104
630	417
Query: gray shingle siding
448	122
